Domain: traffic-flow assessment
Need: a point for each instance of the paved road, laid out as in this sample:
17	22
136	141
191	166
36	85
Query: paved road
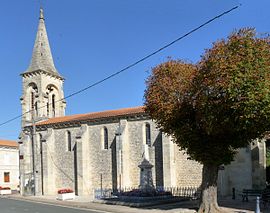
17	206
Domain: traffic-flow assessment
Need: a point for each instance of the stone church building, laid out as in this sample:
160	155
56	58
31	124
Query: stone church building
85	151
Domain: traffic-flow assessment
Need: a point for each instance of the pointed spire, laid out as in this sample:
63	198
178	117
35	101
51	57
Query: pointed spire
42	57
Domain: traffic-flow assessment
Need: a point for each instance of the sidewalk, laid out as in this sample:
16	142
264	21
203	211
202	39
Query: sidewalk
232	206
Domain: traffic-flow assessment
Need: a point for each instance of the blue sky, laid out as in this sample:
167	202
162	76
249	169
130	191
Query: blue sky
91	39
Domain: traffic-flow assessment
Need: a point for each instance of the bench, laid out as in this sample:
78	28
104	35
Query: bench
250	193
266	197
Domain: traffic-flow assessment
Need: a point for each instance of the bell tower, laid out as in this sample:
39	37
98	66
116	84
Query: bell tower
43	95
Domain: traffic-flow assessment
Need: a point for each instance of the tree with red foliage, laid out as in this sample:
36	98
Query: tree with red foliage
215	107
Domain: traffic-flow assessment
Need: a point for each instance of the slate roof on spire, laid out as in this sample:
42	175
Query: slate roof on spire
42	57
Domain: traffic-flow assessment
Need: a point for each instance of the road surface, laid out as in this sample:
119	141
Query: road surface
18	206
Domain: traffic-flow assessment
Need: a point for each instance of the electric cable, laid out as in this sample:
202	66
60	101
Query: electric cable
131	65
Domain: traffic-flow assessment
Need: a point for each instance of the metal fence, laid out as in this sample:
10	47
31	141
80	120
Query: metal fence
189	192
185	192
103	193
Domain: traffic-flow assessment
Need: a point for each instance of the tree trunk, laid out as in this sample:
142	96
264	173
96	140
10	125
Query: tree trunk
208	203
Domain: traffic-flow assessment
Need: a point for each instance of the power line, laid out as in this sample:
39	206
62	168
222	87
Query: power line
153	53
133	64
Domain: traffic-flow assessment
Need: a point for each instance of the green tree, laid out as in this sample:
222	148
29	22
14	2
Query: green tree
267	157
216	106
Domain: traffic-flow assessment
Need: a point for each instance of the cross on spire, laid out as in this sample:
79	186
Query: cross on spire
41	15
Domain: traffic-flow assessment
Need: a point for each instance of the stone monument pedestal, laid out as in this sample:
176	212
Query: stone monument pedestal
146	179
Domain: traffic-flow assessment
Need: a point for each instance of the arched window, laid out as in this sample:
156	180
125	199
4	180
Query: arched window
32	96
69	141
32	100
36	109
148	134
48	109
53	104
105	138
52	94
40	142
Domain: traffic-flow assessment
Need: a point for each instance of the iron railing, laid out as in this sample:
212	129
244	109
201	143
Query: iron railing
185	192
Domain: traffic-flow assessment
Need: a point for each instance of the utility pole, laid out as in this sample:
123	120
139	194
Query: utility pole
101	188
33	133
34	147
119	156
34	155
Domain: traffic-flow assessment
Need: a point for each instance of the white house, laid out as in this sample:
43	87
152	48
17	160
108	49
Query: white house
9	164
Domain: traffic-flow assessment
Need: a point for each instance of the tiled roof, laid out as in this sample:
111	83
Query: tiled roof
94	115
8	143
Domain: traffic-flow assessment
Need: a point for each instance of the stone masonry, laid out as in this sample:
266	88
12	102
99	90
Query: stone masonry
93	161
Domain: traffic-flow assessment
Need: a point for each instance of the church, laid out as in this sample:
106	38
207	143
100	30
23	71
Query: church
84	152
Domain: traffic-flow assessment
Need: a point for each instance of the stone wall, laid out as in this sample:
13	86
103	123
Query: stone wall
188	172
63	158
236	175
100	158
117	165
247	171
